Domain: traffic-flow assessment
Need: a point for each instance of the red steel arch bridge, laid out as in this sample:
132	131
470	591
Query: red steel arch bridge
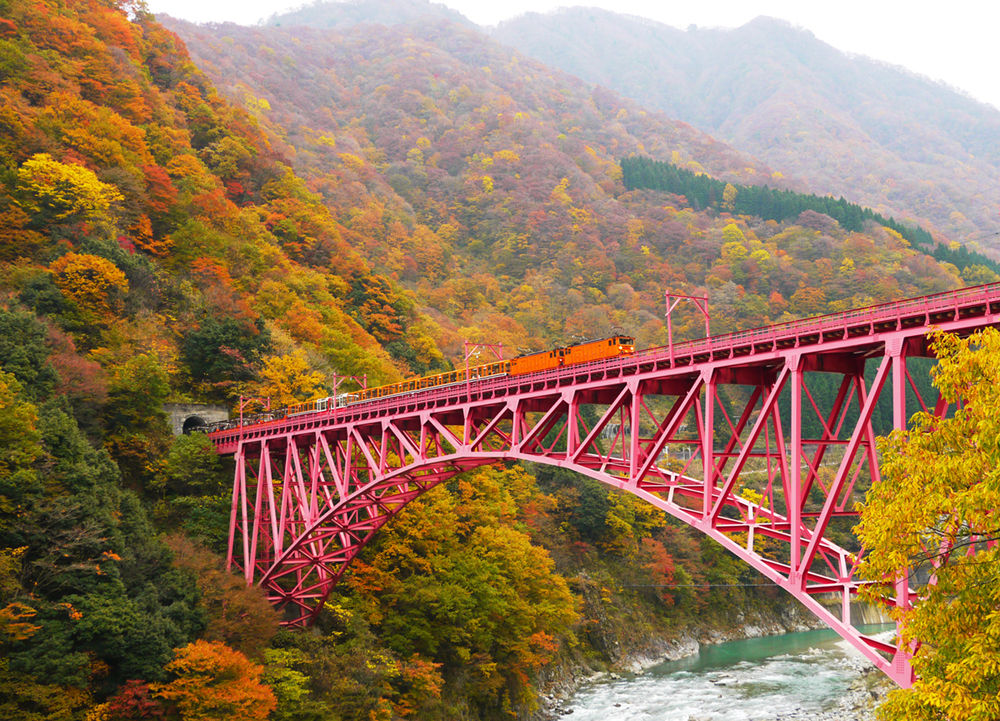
726	433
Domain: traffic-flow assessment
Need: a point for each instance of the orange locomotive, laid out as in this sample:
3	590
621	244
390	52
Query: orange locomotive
571	355
612	347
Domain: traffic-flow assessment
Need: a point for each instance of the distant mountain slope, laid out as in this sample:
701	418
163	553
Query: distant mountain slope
490	185
848	125
450	64
353	12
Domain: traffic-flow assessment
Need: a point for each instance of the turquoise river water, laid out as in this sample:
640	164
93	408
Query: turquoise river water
795	675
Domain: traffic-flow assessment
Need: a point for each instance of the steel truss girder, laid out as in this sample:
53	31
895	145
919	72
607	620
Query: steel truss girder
306	501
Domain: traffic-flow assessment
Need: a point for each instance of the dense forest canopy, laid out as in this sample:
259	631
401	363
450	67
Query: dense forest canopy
780	205
492	188
839	124
320	202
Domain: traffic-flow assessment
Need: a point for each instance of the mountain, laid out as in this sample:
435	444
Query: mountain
286	204
154	246
846	125
489	185
347	13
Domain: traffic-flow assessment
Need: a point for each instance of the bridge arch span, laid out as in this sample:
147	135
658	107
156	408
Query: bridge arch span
304	572
774	427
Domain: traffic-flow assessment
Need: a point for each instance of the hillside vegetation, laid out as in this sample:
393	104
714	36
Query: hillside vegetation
347	202
490	186
845	125
780	205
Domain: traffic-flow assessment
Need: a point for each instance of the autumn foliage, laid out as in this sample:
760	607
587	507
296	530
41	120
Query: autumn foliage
509	217
934	515
340	203
212	682
94	284
61	193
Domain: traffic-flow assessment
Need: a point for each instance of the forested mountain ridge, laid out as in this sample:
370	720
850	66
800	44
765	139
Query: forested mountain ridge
500	178
782	205
160	242
846	125
382	12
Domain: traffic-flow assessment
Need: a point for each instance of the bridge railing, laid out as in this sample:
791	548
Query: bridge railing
879	312
683	351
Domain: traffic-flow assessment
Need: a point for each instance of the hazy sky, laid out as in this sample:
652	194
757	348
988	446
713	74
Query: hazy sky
954	42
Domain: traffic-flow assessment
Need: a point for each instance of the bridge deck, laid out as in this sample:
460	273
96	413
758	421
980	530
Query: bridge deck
855	328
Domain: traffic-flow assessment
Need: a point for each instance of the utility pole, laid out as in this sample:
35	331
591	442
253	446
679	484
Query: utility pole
339	379
673	299
474	349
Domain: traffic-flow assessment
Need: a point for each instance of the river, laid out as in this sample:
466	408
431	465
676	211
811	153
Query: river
805	675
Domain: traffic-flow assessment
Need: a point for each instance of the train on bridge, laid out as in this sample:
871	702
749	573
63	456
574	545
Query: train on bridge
601	349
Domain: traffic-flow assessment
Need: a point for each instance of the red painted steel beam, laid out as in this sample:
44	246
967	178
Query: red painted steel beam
311	490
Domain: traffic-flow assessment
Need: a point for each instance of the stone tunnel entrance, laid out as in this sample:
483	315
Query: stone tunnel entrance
187	418
193	423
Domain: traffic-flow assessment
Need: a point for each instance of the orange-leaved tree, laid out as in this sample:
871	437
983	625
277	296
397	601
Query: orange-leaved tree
213	682
95	284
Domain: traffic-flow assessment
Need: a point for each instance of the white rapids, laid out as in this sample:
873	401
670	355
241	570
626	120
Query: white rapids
804	675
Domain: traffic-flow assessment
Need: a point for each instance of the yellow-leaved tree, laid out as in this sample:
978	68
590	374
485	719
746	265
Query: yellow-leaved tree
62	193
937	513
729	194
96	285
288	379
